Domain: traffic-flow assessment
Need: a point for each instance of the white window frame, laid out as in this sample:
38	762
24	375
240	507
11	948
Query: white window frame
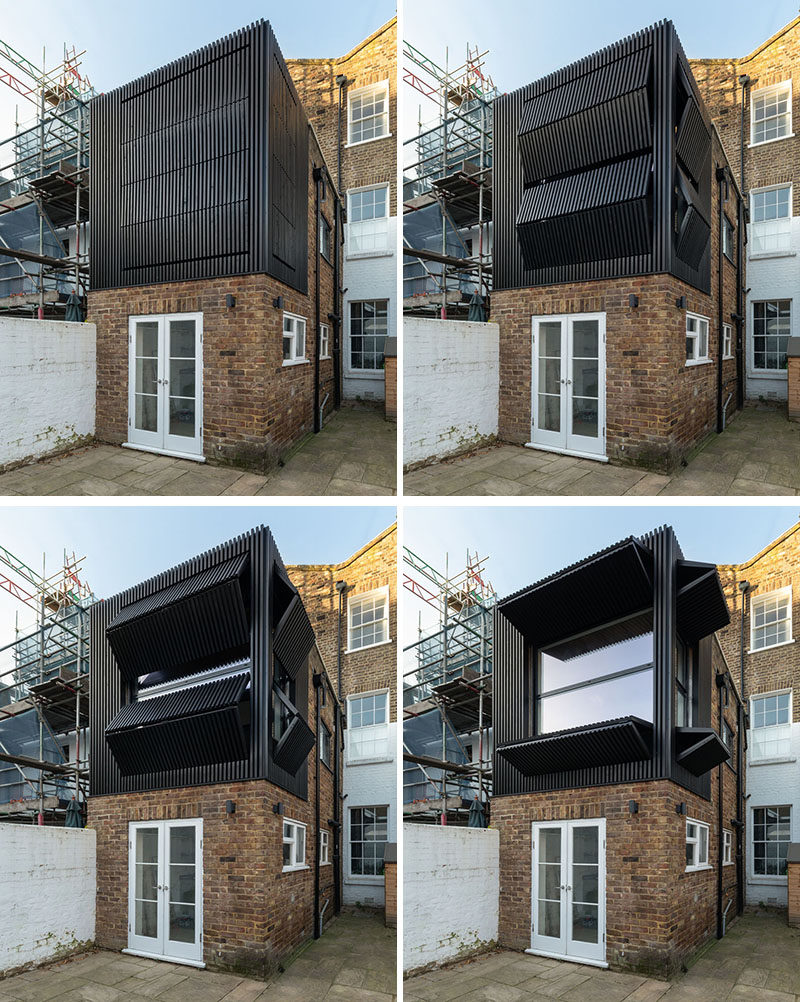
726	250
324	850
352	600
295	322
292	840
727	341
375	229
694	841
758	600
767	92
727	847
381	85
780	228
364	878
766	878
373	737
697	359
781	732
758	372
324	341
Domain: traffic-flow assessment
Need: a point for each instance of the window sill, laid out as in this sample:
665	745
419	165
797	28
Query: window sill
325	358
767	255
383	760
327	862
365	255
772	647
729	863
364	373
727	358
767	878
767	374
766	142
287	363
367	647
372	881
363	142
698	869
295	869
772	761
698	361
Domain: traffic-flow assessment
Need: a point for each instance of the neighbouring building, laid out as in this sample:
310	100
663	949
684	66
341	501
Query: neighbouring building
215	245
755	104
762	651
352	103
215	764
617	258
618	779
353	609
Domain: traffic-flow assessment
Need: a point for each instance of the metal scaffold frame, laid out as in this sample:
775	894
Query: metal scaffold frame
447	186
47	193
451	677
47	689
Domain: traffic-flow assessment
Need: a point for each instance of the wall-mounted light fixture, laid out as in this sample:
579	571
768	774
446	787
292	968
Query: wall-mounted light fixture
230	807
633	301
681	809
633	806
277	302
277	808
680	302
230	301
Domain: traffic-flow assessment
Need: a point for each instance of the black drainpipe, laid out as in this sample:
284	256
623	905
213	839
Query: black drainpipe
720	261
318	180
743	588
720	840
341	82
341	586
744	80
319	681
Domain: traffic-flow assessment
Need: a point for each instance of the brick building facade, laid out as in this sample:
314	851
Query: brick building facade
770	664
336	93
368	688
770	155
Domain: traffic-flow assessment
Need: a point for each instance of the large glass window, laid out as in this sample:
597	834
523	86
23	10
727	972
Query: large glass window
368	220
685	686
771	113
368	837
368	727
283	700
596	676
771	722
368	329
771	220
771	837
771	619
772	323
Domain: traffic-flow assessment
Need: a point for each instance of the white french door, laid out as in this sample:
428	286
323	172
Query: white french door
165	396
569	890
165	889
569	384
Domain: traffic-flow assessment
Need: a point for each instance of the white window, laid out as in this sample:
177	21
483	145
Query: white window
727	847
294	339
771	723
294	845
771	619
368	113
772	324
324	856
324	743
368	727
696	339
727	341
324	341
771	836
771	113
324	237
696	845
727	237
368	329
368	837
771	219
368	220
368	619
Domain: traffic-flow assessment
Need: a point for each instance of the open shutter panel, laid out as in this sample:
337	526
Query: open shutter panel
294	637
293	748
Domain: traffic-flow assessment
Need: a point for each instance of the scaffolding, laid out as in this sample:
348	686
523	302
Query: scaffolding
44	187
447	187
447	694
44	693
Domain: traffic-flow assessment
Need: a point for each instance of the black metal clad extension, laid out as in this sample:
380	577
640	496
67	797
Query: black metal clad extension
293	637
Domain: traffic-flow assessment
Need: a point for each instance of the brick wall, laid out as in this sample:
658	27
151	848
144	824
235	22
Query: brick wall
254	407
390	373
390	894
794	893
254	914
658	915
793	376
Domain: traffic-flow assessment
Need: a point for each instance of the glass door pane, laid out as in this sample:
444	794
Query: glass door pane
585	883
145	411
549	388
585	376
145	893
549	883
182	369
182	886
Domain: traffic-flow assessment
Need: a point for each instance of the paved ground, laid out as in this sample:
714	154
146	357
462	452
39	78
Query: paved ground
758	961
355	453
354	960
758	454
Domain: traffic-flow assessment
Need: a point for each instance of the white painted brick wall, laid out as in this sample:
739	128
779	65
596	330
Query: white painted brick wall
47	386
369	785
451	889
775	785
451	386
47	892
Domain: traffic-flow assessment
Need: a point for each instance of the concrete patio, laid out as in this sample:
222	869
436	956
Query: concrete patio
757	961
354	454
758	454
355	959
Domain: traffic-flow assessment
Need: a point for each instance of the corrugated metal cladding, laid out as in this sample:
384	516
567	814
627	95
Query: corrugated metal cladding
530	619
294	637
586	166
218	729
200	170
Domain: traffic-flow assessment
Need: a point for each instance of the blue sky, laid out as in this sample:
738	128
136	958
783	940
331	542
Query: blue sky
125	545
525	544
125	40
528	40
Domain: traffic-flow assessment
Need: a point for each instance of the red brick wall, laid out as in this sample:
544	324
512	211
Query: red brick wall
254	407
793	880
254	915
390	373
390	893
794	386
657	407
657	913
